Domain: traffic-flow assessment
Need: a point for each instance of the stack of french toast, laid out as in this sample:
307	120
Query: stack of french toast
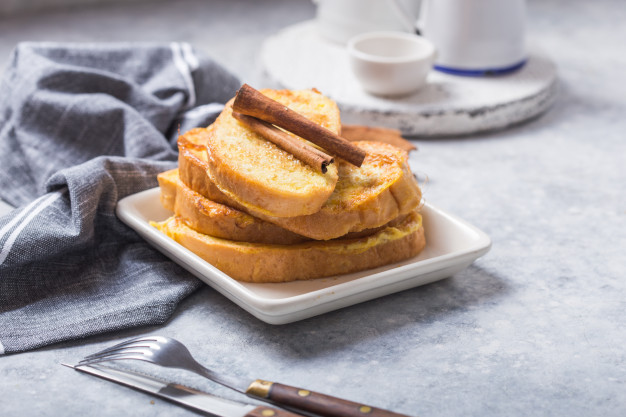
260	214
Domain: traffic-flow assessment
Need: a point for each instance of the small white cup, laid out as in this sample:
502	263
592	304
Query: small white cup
391	63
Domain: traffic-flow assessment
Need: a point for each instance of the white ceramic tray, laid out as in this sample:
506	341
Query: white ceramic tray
451	245
298	57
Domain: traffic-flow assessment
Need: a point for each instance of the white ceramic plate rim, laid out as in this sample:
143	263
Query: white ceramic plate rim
137	210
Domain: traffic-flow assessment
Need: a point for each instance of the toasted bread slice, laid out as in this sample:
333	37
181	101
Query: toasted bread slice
261	176
208	217
357	133
193	165
254	262
382	189
168	182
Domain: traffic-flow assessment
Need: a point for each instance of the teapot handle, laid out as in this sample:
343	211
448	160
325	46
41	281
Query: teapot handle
421	19
407	18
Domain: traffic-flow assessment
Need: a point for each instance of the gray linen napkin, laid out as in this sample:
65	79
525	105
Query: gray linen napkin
81	126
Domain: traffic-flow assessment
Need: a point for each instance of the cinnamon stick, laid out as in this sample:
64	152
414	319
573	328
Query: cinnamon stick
304	152
251	102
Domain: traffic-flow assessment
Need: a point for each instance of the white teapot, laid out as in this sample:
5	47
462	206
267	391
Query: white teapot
340	20
472	37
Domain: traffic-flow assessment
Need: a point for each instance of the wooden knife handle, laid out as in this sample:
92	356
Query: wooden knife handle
270	412
298	399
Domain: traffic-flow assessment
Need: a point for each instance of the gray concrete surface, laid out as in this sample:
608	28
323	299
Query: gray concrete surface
536	327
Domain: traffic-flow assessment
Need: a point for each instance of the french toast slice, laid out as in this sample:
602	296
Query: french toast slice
261	176
208	217
262	263
193	165
382	189
168	182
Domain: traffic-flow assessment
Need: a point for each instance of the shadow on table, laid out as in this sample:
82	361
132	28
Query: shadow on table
427	305
417	309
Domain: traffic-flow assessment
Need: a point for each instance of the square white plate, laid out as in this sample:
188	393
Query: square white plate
451	245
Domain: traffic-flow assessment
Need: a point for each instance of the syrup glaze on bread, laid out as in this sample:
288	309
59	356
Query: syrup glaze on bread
382	189
254	262
231	182
261	176
215	219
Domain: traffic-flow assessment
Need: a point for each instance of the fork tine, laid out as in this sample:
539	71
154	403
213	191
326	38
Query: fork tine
119	352
120	357
126	343
120	349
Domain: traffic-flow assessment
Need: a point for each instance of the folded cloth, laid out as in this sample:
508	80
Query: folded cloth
81	126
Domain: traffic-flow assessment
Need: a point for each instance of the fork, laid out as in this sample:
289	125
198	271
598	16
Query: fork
171	353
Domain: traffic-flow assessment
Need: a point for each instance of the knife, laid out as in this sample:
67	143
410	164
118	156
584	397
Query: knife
168	352
180	394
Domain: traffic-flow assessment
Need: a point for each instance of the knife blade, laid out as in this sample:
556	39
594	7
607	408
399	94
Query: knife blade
181	394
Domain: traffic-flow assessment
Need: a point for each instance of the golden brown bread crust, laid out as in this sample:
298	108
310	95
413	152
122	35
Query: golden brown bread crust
208	217
193	165
230	180
261	176
364	198
263	263
355	133
381	190
219	220
167	183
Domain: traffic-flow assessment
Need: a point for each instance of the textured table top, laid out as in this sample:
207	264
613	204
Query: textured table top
536	327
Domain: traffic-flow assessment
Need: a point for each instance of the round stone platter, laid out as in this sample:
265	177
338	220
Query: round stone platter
298	57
